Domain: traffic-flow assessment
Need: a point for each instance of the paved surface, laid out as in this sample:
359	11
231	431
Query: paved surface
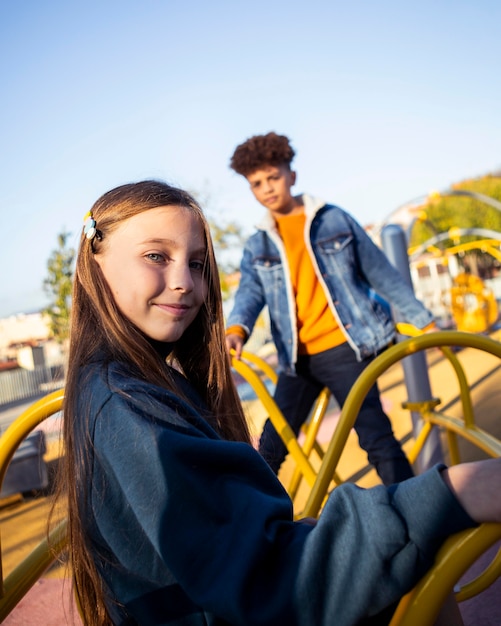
49	603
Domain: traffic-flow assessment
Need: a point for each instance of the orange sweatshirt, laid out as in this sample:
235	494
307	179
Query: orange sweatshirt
318	329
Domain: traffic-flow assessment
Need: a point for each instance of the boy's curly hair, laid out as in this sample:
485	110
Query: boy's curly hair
260	151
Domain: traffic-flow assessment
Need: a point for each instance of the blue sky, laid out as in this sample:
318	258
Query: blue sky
383	101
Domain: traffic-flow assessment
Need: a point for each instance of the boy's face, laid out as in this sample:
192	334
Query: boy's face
271	187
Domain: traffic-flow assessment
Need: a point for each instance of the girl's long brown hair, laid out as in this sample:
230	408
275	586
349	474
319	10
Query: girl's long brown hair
97	324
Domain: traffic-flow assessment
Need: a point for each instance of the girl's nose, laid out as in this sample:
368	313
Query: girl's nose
180	278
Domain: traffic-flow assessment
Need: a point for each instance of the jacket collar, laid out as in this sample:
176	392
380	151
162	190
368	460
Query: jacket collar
311	206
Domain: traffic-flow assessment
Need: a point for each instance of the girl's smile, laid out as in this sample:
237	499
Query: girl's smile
154	263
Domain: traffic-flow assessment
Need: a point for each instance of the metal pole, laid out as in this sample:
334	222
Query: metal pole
415	367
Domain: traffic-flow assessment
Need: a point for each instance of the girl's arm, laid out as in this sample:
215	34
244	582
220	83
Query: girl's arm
210	514
477	486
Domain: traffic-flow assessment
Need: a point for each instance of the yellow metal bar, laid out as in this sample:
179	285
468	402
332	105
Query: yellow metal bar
419	442
278	420
261	364
10	441
411	331
484	580
312	429
26	573
303	465
464	388
459	552
453	447
24	424
359	390
479	437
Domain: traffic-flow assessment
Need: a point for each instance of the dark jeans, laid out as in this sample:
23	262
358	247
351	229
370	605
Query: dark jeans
336	369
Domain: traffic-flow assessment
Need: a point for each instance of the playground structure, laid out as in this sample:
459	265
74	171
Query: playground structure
434	267
453	294
317	467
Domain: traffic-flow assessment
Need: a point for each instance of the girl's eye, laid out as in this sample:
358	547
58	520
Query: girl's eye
198	266
155	257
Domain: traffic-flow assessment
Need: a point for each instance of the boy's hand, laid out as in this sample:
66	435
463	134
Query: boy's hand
236	343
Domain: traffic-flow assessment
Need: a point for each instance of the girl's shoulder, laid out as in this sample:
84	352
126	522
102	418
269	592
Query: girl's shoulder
112	387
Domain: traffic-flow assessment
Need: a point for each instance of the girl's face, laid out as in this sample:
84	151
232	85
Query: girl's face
153	264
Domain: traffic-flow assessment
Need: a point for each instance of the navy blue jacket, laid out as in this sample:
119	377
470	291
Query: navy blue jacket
188	529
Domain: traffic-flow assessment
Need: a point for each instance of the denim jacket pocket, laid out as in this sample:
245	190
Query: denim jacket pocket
269	269
337	253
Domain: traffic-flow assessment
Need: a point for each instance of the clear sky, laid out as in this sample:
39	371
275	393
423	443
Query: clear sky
383	101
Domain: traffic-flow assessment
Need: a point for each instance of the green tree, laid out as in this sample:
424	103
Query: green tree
228	237
58	286
443	212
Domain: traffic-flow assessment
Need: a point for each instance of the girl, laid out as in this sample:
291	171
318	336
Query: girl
173	517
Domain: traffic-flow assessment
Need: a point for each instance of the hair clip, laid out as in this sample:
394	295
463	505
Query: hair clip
89	226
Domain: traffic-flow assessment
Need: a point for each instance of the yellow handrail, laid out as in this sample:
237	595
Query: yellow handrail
22	578
458	552
24	424
365	381
300	454
279	422
26	573
422	604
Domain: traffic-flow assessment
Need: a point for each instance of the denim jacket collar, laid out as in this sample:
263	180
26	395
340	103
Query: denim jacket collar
311	207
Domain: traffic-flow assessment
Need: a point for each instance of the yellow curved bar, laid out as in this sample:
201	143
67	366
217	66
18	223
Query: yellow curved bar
17	584
359	390
422	604
261	364
279	422
24	424
426	413
25	574
310	442
475	435
411	331
484	580
300	454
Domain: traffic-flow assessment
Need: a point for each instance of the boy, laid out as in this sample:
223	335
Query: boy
315	267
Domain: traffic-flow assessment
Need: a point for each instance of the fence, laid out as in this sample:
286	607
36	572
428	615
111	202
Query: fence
21	384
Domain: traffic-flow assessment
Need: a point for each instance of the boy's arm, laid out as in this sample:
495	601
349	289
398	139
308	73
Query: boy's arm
249	298
235	339
387	281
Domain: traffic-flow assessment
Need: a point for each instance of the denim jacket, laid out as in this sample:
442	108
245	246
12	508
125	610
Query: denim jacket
349	266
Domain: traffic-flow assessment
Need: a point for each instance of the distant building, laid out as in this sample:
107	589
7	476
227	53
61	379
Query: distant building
25	339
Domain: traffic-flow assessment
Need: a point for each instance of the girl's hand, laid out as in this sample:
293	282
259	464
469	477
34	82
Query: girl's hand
477	486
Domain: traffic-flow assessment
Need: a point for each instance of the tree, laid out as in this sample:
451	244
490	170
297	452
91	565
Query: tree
445	213
58	285
228	238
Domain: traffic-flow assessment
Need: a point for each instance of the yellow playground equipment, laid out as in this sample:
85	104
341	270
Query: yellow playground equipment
422	604
15	586
473	306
